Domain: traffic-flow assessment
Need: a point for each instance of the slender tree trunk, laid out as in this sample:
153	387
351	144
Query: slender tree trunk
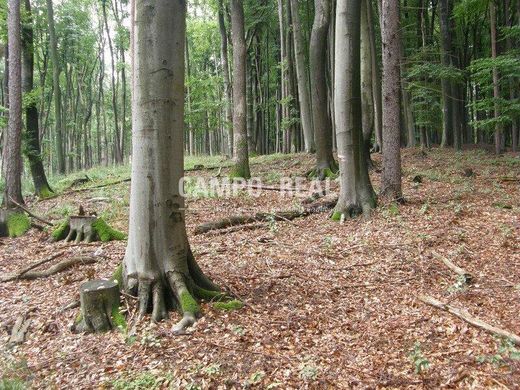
496	89
376	80
118	153
32	149
159	266
367	100
303	79
241	168
56	71
225	72
446	84
356	193
391	179
407	106
325	164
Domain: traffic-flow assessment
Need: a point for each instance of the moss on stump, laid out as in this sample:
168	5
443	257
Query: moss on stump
87	229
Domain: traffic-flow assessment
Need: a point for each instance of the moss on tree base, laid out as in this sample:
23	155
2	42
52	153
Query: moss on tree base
234	304
13	223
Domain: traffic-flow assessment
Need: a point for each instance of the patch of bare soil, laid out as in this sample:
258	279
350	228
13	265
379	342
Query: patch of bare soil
327	304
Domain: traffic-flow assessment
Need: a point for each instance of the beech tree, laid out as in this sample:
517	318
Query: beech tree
325	164
13	142
159	266
241	168
356	193
391	179
56	70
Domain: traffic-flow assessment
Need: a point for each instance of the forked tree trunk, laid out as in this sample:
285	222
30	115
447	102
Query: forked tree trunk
33	152
158	263
13	142
241	168
391	180
356	193
325	164
303	79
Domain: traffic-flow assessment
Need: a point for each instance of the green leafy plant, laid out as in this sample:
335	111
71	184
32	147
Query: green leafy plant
419	361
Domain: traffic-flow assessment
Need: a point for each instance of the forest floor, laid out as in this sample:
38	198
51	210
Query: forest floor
327	304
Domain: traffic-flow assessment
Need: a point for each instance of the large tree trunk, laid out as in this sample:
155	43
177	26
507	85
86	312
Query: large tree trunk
158	262
303	79
325	164
56	70
12	156
225	72
356	193
241	168
33	152
391	179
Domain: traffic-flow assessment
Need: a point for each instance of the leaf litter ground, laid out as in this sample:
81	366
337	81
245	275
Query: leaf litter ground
327	305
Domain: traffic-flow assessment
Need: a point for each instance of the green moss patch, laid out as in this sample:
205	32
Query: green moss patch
105	232
234	304
18	224
118	319
189	304
61	231
117	276
208	295
336	216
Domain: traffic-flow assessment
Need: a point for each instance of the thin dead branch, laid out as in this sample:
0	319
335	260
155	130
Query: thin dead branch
468	278
464	315
31	213
19	274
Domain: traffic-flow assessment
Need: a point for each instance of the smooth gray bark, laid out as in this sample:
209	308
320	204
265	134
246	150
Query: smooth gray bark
356	193
325	164
158	262
303	79
56	71
241	168
225	72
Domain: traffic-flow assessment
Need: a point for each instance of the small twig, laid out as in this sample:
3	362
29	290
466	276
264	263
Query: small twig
31	213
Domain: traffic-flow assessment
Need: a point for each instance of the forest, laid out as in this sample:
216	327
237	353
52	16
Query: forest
271	194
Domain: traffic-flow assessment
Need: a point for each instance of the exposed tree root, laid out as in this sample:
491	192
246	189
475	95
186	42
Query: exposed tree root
313	208
324	171
61	266
464	315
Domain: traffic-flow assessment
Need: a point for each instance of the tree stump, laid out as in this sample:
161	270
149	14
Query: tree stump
81	228
99	300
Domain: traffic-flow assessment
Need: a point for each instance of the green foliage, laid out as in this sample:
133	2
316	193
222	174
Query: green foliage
506	351
234	304
419	361
141	381
107	233
18	224
117	276
118	319
12	384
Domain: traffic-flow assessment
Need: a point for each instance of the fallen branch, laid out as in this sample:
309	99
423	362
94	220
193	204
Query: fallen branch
112	183
464	315
468	278
237	228
32	266
31	213
265	217
61	266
